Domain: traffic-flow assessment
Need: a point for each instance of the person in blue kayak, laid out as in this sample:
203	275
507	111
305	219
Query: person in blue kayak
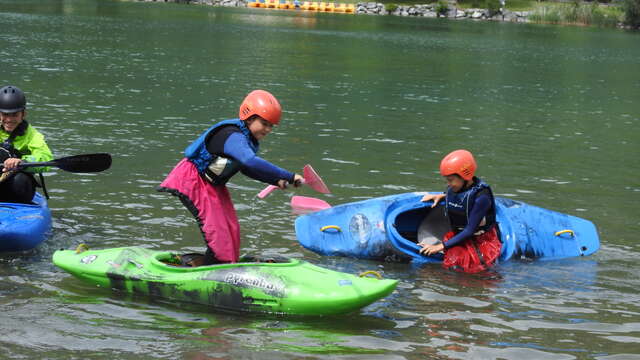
473	244
21	142
223	150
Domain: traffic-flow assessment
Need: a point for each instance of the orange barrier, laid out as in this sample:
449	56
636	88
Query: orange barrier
328	7
256	4
303	5
286	5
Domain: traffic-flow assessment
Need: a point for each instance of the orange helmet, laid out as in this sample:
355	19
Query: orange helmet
263	104
460	162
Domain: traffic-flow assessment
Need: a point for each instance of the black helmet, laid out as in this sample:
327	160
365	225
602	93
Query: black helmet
12	99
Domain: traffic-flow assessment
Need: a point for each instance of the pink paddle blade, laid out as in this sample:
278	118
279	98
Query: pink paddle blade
312	179
303	204
266	191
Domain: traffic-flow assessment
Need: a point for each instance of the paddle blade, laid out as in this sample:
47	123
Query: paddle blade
312	179
266	191
303	204
87	163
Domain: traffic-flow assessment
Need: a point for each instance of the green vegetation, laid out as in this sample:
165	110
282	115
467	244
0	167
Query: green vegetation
442	8
477	4
631	10
493	6
577	13
520	5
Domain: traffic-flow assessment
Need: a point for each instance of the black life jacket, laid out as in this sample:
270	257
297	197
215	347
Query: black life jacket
458	205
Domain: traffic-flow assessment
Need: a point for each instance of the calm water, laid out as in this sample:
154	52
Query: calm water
552	113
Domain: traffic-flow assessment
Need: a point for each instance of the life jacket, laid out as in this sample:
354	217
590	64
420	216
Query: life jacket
7	150
214	168
457	206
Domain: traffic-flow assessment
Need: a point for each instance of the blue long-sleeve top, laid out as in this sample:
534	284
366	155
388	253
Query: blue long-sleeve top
479	209
231	143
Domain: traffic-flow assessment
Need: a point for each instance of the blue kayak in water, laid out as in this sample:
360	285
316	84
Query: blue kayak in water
24	226
389	228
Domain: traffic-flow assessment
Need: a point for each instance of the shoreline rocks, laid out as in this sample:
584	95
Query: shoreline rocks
430	11
373	8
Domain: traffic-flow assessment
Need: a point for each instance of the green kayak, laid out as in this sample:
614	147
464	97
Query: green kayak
283	286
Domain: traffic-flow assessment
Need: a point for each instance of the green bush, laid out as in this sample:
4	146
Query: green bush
493	6
569	13
471	3
390	7
553	16
631	10
442	8
576	13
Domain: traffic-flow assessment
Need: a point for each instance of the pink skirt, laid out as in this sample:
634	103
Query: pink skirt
210	205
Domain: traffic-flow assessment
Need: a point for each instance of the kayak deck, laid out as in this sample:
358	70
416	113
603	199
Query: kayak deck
283	286
24	226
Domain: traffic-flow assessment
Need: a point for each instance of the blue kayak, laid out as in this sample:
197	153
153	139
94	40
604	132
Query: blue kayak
24	226
389	228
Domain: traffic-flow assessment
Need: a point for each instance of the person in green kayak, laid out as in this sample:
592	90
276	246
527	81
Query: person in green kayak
474	244
21	142
225	149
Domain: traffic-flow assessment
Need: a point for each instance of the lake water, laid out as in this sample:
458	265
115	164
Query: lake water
373	103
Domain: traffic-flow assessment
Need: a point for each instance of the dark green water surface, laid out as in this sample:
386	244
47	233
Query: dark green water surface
552	114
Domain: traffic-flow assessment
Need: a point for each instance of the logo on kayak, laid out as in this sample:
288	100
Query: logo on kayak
89	259
360	228
27	217
251	280
345	282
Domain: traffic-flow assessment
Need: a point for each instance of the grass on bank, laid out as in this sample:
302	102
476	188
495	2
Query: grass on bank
577	13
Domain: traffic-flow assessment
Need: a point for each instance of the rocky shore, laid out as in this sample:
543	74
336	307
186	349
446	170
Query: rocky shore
431	11
373	8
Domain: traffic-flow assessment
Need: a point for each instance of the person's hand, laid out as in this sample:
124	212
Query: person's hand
431	249
298	180
282	184
436	198
11	164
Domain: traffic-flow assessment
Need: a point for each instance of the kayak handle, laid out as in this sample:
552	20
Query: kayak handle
371	272
334	227
82	248
567	231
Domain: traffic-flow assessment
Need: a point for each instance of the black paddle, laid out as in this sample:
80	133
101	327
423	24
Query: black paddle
87	163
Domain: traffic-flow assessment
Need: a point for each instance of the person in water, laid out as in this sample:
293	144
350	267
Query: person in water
223	150
21	143
473	245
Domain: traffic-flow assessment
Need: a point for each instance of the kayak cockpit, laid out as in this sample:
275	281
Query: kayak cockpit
424	224
409	223
195	261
